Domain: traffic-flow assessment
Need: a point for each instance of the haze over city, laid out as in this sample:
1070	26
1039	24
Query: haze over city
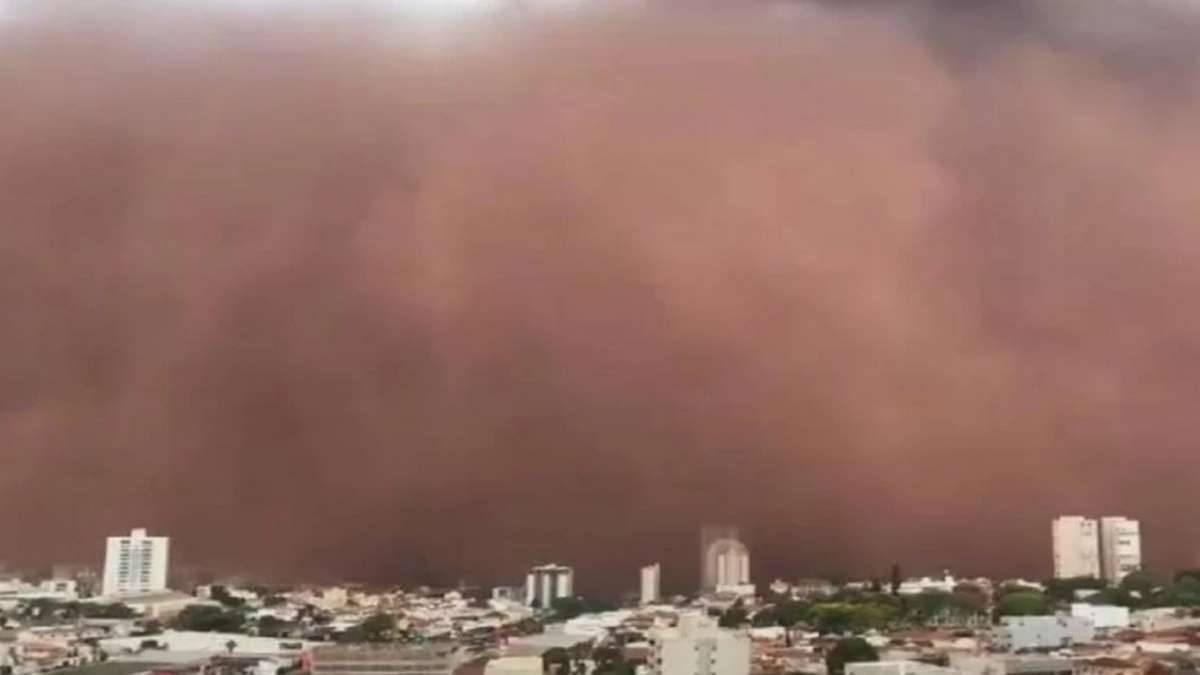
324	292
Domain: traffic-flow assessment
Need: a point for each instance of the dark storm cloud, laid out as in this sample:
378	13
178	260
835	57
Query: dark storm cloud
326	292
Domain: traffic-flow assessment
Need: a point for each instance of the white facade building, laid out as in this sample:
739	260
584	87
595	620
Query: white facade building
651	586
1019	633
135	564
697	646
546	583
1076	547
1103	617
945	584
1120	548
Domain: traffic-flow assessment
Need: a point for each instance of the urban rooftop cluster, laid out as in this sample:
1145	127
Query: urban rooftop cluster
1100	614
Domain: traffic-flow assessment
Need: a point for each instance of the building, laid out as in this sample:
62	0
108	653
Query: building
944	584
514	665
1107	665
1120	548
1162	619
135	564
995	664
1076	547
1020	633
813	588
546	583
651	586
162	604
897	668
697	646
382	659
508	593
538	644
725	560
191	646
1103	617
65	588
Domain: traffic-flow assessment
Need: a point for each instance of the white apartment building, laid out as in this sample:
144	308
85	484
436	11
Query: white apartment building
1120	548
697	646
546	583
135	564
1076	547
651	586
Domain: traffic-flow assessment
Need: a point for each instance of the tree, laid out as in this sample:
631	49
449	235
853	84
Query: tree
1024	603
791	612
1107	596
734	617
379	628
849	650
968	600
611	661
208	619
767	616
840	618
926	607
230	646
1063	590
115	610
1185	592
556	661
833	617
569	608
1138	583
872	616
352	635
896	579
221	595
271	626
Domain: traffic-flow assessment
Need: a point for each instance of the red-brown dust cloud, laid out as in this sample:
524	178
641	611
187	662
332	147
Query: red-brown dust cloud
330	290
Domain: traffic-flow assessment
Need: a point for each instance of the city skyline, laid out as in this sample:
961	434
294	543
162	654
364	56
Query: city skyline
1077	549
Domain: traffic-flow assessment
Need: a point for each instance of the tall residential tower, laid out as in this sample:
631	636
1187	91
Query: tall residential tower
651	585
546	583
135	564
1120	548
724	559
1076	547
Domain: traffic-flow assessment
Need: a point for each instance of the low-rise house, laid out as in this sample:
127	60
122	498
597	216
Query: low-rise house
897	668
171	646
996	664
382	659
514	665
1163	618
1107	665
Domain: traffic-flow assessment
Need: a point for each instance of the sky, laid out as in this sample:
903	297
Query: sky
324	291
